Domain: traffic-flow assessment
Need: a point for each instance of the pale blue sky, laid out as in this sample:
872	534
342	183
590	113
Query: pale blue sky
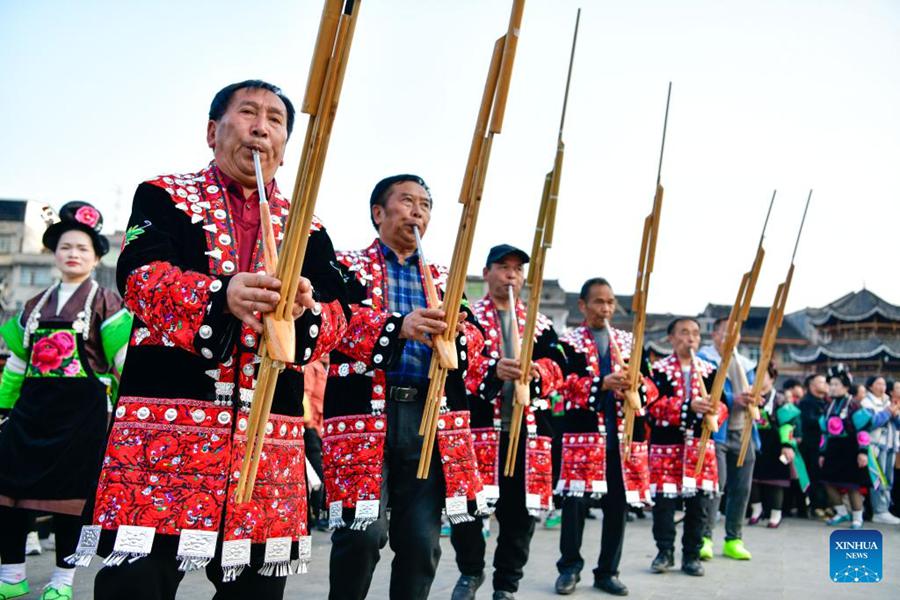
98	96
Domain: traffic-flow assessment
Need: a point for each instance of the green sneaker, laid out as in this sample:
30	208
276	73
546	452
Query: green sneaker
706	550
735	549
51	592
554	518
8	591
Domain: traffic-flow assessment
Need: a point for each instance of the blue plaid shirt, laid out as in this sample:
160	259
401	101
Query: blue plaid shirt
404	294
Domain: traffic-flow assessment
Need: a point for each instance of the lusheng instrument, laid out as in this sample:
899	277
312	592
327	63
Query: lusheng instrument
632	396
740	311
767	344
488	124
277	346
543	240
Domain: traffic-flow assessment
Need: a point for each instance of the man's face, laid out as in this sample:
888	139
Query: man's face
895	392
408	205
508	271
879	387
718	336
255	118
819	386
599	307
796	393
684	338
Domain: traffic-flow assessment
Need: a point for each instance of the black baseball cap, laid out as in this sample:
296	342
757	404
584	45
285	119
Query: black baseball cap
498	253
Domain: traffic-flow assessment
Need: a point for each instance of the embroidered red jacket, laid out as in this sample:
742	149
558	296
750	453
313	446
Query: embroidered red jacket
176	444
353	445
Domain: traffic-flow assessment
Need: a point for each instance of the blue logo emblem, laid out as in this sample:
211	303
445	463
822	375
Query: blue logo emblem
856	556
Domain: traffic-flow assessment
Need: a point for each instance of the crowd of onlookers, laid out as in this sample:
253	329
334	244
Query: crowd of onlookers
875	449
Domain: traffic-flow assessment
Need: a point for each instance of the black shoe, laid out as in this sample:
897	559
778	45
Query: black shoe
664	561
692	567
566	582
466	586
611	585
503	595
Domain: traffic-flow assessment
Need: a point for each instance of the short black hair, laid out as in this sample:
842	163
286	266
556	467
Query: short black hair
718	322
674	323
586	287
380	192
772	370
790	383
809	379
221	100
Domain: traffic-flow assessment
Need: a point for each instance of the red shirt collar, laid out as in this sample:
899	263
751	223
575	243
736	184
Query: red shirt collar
237	190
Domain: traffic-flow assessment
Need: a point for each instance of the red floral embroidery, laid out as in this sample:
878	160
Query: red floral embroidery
539	469
486	442
583	459
551	376
278	506
666	469
164	466
331	329
637	474
169	301
708	480
361	334
353	453
461	474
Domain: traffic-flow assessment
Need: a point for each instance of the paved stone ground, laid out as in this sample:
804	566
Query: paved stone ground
790	562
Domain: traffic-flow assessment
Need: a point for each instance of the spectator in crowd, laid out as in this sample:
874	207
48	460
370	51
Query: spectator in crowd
792	390
885	424
812	406
843	454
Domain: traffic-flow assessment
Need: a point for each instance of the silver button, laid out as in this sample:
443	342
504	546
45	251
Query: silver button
196	209
120	412
224	417
313	330
377	360
389	327
219	214
225	239
213	189
242	424
282	430
171	414
247	370
384	341
198	415
143	413
205	332
206	352
249	340
215	285
269	428
307	353
228	266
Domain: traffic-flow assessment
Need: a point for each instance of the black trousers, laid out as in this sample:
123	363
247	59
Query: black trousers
15	524
615	510
313	444
695	509
415	523
516	528
158	578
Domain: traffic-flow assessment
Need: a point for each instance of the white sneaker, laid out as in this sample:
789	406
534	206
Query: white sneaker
885	518
33	544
